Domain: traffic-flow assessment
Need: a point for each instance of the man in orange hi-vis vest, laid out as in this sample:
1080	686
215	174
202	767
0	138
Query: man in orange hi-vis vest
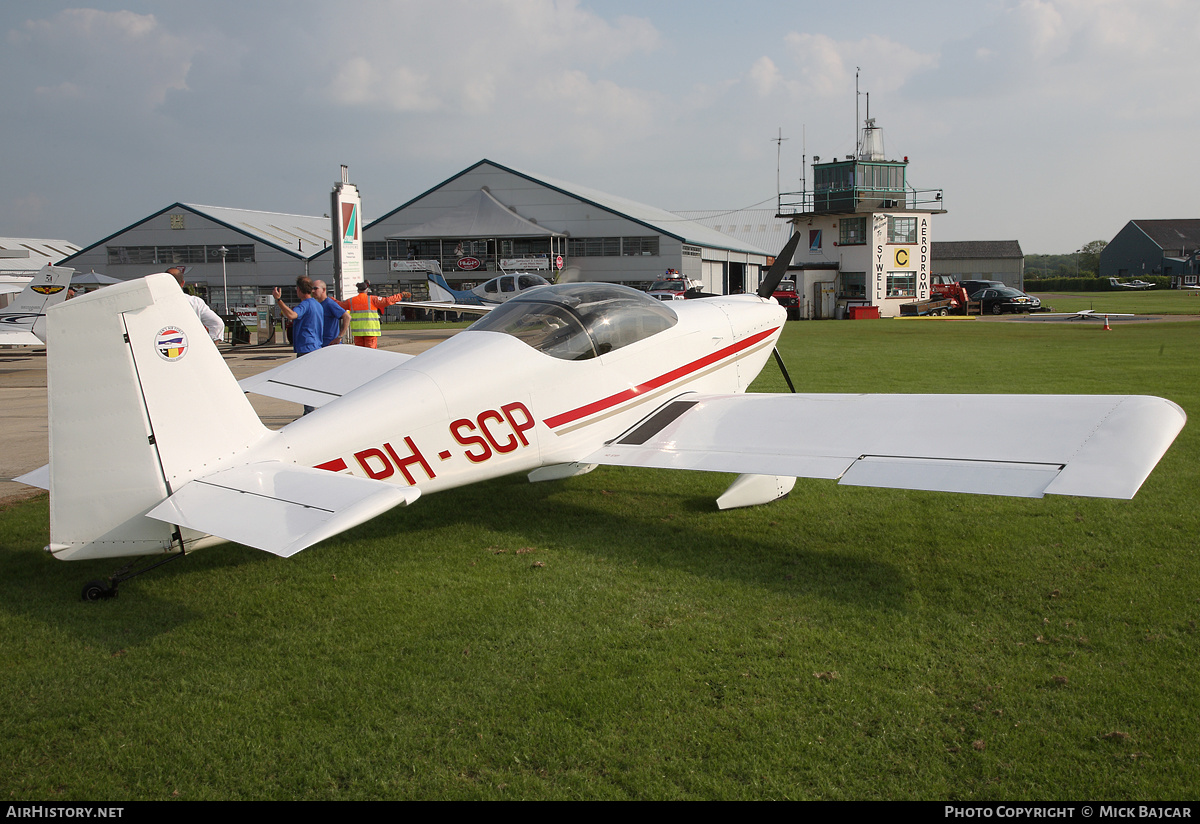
364	314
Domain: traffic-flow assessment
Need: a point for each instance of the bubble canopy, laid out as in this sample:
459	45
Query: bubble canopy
578	321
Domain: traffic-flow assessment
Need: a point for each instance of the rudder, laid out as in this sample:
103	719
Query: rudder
140	402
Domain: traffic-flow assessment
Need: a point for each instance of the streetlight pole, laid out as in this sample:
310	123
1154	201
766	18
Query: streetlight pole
224	278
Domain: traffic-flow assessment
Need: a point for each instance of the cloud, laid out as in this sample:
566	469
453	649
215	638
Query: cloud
95	58
399	88
765	76
1077	50
480	58
826	66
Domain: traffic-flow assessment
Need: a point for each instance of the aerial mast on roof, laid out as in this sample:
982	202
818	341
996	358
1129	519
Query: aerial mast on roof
778	141
857	145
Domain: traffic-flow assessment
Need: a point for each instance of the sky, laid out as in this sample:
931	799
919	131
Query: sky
1044	121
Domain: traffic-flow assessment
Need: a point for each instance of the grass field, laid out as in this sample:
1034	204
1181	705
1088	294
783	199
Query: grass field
1148	302
614	636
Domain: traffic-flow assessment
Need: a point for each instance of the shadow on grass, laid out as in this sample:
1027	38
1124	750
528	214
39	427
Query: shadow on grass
654	519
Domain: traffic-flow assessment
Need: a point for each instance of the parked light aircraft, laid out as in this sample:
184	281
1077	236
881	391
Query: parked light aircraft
1133	284
487	294
553	383
22	323
1086	314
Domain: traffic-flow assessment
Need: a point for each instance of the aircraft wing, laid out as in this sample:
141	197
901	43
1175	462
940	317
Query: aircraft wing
280	508
324	375
477	308
1021	445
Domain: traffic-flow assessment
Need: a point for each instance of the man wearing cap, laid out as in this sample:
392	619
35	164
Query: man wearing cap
211	320
364	314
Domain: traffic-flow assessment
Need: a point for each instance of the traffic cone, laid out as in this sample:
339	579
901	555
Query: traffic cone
1107	328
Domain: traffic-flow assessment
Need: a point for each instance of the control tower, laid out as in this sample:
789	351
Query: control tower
868	233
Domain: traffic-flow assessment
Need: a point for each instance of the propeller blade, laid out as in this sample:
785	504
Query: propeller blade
783	369
779	267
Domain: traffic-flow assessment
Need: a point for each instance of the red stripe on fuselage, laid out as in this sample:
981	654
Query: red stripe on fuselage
655	383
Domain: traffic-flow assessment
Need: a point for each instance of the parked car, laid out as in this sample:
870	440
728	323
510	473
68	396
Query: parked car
998	300
973	286
672	288
785	294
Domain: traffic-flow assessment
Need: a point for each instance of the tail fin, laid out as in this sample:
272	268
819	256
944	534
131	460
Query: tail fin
22	323
140	402
440	291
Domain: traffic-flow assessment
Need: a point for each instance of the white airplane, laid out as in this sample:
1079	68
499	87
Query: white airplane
22	322
1133	284
552	384
1084	314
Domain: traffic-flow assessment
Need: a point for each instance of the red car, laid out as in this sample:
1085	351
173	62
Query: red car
787	296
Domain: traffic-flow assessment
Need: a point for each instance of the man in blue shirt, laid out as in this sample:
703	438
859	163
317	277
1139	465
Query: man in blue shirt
308	323
309	320
336	319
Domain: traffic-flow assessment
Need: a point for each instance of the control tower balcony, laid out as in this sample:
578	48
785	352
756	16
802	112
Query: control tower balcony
859	186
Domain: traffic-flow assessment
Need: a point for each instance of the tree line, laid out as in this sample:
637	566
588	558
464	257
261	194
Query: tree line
1084	263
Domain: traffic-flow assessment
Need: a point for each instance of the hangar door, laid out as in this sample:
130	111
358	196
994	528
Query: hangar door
712	274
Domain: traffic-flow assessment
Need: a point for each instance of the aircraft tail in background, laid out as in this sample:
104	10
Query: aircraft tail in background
23	322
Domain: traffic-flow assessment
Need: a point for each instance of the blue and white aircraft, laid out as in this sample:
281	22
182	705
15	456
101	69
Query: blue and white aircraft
488	294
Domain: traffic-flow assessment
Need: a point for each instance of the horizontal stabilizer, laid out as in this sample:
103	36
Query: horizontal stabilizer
19	337
1090	445
324	375
280	508
39	477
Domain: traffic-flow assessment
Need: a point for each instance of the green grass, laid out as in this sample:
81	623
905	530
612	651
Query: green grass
614	636
1148	302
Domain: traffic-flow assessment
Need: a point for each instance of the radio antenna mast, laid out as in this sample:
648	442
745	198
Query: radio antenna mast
778	141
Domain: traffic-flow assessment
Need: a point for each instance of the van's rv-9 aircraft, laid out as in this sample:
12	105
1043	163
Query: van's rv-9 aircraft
552	383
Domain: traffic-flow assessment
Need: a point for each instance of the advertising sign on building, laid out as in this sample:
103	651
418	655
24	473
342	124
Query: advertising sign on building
525	263
346	216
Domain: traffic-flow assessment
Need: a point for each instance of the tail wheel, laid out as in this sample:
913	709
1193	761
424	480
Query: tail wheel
98	591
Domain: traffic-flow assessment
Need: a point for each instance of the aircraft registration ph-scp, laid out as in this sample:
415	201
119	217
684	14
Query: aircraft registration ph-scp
552	383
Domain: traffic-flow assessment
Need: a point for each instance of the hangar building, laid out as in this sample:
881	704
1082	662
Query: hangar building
486	216
262	250
1000	260
490	216
1155	247
25	255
